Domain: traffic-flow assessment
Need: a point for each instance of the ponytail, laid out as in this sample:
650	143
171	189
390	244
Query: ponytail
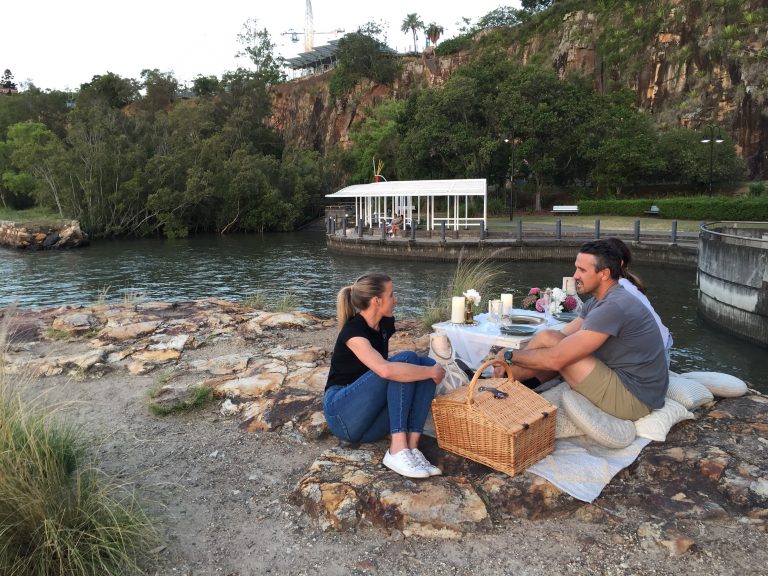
356	297
344	308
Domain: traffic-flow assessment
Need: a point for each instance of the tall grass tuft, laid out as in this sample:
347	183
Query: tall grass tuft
58	513
478	274
255	300
287	302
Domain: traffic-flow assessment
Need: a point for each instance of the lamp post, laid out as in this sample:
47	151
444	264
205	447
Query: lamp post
511	140
711	141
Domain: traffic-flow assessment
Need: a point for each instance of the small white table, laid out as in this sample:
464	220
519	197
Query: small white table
472	343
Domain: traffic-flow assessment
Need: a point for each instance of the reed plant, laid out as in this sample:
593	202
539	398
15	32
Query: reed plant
59	514
255	300
479	274
286	302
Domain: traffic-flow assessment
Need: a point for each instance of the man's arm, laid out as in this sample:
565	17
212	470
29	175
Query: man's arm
572	327
574	347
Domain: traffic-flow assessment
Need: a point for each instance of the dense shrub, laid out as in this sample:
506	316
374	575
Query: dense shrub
684	208
453	45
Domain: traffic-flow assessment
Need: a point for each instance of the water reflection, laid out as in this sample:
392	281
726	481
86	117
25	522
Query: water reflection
233	267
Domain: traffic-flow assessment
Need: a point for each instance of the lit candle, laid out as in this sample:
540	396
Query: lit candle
506	304
569	284
457	309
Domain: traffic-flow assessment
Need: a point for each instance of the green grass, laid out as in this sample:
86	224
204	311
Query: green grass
55	334
59	514
31	216
199	396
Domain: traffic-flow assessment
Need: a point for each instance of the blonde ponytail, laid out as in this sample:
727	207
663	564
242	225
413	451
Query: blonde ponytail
352	299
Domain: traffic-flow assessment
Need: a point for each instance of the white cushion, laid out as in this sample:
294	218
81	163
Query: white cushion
688	392
564	426
600	426
722	385
657	424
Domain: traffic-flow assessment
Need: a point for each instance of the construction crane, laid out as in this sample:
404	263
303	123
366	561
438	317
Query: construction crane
309	30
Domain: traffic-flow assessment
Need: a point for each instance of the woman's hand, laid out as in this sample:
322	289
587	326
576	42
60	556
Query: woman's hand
439	373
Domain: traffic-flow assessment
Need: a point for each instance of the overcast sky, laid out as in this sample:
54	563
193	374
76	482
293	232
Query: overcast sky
60	44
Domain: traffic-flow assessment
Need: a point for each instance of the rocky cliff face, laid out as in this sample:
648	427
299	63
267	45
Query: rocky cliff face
302	110
675	77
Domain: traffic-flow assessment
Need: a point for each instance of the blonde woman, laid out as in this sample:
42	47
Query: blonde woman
369	395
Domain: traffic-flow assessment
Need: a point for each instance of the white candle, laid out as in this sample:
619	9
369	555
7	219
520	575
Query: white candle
457	309
506	304
569	284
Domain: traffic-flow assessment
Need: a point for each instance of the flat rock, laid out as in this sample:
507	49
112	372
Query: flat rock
224	364
345	486
75	323
128	331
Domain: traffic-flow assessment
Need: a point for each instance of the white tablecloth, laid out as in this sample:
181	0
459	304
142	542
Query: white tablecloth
472	343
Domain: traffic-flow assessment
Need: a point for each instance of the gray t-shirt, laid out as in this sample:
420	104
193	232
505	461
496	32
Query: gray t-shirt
634	349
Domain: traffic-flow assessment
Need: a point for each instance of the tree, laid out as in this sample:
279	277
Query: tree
206	86
159	90
37	151
6	83
412	23
111	89
260	49
532	6
362	55
501	16
433	32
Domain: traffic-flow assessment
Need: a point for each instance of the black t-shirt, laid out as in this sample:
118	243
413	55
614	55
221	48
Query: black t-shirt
345	366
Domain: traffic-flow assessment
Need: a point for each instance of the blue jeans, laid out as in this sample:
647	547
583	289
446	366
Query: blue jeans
372	407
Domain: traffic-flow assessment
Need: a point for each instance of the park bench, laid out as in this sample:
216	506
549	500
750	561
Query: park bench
565	209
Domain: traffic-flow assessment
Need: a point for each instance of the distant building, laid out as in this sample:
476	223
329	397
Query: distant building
317	60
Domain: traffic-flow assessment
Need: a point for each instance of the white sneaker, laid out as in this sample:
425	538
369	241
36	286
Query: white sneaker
405	464
422	461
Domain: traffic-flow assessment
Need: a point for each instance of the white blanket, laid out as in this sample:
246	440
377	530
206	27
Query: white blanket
583	468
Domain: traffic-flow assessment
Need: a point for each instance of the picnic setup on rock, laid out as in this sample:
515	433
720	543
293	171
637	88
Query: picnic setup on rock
522	400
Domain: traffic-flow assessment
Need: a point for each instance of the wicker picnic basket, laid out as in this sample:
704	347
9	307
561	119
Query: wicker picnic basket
507	434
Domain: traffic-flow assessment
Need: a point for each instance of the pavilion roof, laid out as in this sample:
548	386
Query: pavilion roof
465	187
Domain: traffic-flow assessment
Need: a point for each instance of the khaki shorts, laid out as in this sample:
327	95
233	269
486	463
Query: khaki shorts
605	390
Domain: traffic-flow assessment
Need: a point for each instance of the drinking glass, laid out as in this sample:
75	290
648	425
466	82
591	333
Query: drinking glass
494	311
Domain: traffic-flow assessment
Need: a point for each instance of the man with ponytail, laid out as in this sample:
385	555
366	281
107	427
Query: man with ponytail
368	394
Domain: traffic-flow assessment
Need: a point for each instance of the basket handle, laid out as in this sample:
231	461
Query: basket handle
476	377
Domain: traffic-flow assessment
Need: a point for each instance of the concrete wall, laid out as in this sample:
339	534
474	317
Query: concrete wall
526	250
733	278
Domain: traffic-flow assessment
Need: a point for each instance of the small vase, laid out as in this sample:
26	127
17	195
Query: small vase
469	318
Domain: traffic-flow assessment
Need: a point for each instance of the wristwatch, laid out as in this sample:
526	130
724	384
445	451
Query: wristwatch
508	356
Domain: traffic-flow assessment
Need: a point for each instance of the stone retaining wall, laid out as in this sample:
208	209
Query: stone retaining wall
66	234
526	250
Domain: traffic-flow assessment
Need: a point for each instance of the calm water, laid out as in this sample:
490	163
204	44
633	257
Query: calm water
233	267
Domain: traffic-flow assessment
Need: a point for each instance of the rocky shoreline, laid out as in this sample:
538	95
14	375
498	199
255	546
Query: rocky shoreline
30	236
268	374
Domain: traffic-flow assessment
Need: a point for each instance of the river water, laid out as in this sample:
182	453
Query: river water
233	267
